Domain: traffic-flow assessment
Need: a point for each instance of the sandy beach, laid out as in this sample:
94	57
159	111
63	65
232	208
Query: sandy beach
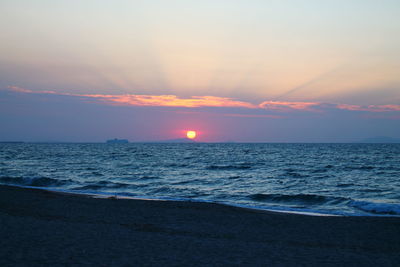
40	228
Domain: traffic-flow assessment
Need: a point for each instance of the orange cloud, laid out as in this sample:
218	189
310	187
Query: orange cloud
153	100
172	101
212	101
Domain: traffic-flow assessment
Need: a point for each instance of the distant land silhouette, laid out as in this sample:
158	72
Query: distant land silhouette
380	139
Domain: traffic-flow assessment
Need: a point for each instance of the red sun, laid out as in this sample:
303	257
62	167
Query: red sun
191	134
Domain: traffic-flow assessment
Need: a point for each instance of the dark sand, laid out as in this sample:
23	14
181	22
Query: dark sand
39	227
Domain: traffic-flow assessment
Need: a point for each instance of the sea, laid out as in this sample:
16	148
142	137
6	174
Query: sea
325	179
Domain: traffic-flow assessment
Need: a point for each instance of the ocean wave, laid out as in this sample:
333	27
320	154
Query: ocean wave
289	176
192	181
345	185
296	175
377	208
89	187
33	181
95	173
388	168
320	170
163	190
359	168
148	177
229	167
308	199
177	165
102	185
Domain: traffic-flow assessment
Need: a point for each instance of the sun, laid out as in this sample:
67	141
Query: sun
191	134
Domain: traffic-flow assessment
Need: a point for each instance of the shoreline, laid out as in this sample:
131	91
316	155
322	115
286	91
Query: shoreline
106	195
282	209
41	227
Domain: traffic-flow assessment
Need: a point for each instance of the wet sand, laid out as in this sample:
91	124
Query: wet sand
39	227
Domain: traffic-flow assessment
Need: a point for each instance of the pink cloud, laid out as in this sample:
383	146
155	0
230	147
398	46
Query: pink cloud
231	114
23	90
153	100
389	107
284	106
212	101
19	89
370	108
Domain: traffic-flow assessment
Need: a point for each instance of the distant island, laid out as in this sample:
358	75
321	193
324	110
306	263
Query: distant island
380	140
117	141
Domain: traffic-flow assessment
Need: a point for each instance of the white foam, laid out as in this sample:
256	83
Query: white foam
378	208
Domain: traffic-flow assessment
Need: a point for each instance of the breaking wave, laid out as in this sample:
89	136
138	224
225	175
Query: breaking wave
308	199
377	208
101	185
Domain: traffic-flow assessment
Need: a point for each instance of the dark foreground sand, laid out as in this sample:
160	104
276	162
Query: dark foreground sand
45	228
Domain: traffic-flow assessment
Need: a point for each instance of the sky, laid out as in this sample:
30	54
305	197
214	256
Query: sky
245	71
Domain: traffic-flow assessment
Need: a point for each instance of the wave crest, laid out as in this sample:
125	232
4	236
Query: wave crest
297	198
377	208
100	185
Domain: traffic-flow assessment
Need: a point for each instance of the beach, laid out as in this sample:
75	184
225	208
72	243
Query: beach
40	227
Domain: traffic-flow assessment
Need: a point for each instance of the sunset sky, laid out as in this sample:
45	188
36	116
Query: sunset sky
233	70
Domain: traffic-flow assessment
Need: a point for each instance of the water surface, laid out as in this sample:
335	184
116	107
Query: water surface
350	179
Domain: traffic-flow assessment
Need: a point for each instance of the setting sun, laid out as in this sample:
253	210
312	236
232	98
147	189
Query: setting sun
191	134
